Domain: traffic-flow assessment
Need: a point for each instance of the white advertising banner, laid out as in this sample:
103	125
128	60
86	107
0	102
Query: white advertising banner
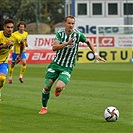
88	25
37	42
40	41
124	41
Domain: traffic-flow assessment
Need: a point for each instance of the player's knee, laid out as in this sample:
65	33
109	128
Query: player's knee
60	85
24	64
58	88
2	80
48	83
46	88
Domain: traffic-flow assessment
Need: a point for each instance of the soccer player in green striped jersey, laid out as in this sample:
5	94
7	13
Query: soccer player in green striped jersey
66	46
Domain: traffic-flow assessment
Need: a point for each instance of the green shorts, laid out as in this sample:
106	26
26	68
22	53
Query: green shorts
55	71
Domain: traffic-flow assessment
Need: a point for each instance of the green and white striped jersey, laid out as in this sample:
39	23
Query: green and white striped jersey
66	57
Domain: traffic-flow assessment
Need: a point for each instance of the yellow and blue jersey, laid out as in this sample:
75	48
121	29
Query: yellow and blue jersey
4	52
24	36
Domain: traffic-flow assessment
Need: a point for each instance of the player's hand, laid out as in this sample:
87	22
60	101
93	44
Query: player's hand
99	58
26	44
8	44
70	42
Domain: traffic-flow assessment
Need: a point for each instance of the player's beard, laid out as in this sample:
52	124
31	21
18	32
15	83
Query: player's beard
70	30
9	33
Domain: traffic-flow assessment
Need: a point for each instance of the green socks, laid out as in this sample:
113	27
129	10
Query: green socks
45	97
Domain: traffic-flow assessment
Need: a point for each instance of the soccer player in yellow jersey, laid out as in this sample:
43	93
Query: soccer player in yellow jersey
23	34
7	41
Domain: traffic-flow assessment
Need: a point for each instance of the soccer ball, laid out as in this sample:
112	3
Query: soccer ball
111	114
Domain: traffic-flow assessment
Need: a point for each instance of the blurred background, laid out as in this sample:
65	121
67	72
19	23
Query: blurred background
42	16
107	23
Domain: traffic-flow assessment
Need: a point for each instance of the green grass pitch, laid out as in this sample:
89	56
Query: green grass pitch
79	108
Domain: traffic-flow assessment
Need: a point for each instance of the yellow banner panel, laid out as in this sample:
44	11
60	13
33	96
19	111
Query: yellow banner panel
109	54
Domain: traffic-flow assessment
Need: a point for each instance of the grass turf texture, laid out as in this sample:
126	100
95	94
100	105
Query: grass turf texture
80	107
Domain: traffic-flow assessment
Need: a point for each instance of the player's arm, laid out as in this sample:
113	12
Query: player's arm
8	44
90	45
1	46
21	47
57	45
26	43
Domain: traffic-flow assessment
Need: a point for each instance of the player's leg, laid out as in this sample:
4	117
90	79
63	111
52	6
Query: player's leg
46	92
63	80
3	73
51	76
46	95
2	82
59	87
11	68
23	67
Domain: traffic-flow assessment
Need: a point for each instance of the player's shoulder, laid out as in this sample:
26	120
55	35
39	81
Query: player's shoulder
77	31
16	36
15	32
1	32
61	30
26	33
